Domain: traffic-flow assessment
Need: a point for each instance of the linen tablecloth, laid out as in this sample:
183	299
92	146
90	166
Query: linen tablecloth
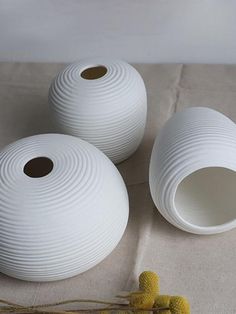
203	268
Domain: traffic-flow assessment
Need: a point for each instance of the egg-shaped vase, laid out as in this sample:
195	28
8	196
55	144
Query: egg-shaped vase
102	101
63	207
193	171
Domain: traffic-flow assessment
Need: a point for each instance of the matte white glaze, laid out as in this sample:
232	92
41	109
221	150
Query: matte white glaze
64	223
109	112
192	171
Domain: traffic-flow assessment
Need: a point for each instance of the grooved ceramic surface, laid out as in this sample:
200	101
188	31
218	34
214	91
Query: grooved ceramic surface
64	223
192	171
109	112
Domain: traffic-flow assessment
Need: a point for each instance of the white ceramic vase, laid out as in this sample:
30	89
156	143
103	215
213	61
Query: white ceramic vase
192	171
102	101
63	207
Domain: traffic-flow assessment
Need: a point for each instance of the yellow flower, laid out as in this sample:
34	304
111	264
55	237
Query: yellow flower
179	305
149	282
148	297
163	301
141	300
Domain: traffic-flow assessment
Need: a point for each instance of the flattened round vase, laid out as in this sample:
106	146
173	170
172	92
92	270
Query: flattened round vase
102	101
192	171
63	207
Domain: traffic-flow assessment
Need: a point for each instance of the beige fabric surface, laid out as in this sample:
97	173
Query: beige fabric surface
201	267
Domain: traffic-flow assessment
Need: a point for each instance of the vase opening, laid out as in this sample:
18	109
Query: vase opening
93	73
207	197
38	167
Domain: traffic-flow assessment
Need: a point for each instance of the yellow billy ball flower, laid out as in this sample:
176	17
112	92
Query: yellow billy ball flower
179	305
149	282
163	301
141	300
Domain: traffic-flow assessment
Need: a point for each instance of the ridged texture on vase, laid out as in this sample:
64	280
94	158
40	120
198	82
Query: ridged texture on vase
109	112
64	223
193	139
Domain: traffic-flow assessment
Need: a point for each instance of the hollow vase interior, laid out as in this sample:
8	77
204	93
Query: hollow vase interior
207	197
94	72
38	167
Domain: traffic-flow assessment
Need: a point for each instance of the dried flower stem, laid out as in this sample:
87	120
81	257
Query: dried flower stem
20	308
33	311
76	301
36	309
122	309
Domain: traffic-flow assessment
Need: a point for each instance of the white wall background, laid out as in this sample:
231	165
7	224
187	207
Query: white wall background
134	30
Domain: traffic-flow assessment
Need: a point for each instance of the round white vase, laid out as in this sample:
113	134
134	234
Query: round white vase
63	207
192	171
102	101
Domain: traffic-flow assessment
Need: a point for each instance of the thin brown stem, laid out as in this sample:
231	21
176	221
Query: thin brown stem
25	310
33	311
10	303
36	309
122	309
75	301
